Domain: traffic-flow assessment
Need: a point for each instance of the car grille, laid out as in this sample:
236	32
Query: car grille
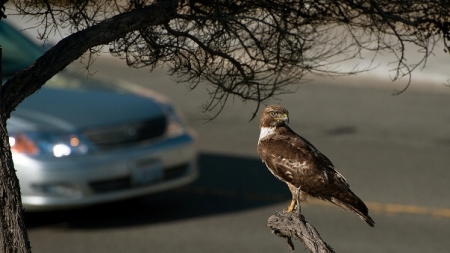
124	183
111	185
175	172
126	133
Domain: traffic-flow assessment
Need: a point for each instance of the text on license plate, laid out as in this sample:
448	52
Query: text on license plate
146	173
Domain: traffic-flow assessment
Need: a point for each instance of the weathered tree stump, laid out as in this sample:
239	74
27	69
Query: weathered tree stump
292	225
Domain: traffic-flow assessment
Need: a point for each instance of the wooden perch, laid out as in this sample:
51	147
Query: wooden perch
292	225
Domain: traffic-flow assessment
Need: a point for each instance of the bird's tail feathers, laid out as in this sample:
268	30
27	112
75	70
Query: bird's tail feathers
351	202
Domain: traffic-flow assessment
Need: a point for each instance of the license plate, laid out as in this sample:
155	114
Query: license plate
145	173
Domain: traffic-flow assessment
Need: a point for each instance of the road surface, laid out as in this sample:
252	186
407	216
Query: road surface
393	150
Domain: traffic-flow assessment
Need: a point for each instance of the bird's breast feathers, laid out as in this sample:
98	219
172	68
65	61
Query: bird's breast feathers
266	132
293	159
286	162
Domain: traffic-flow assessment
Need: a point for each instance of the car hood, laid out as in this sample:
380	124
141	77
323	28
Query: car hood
70	103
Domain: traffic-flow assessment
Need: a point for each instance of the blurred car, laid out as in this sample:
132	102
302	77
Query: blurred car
80	141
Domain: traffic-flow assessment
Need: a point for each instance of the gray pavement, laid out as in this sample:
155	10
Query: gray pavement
393	150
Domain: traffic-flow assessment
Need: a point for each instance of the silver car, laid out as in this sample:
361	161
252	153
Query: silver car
80	141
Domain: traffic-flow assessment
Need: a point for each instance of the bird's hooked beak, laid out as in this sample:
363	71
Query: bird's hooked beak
284	118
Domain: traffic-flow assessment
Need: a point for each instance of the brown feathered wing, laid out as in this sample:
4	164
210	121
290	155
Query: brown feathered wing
294	160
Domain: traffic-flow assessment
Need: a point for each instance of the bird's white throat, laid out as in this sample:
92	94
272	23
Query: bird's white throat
266	132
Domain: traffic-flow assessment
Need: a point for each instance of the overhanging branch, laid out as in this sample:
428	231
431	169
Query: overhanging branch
29	80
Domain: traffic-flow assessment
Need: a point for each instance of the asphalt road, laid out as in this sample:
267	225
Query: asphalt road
393	150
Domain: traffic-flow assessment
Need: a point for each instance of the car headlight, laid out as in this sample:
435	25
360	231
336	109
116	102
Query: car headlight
175	122
49	144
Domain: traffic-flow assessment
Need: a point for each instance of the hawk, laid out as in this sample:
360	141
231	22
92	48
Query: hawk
306	171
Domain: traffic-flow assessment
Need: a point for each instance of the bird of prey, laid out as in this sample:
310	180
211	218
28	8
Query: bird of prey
306	171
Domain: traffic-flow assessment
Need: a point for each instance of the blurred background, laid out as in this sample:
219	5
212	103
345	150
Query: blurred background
393	150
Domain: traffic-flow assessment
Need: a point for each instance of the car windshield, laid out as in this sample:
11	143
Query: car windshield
18	52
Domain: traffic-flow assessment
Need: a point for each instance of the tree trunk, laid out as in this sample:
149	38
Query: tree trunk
13	233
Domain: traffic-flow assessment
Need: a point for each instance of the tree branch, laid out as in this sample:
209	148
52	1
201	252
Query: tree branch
29	80
290	225
2	9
